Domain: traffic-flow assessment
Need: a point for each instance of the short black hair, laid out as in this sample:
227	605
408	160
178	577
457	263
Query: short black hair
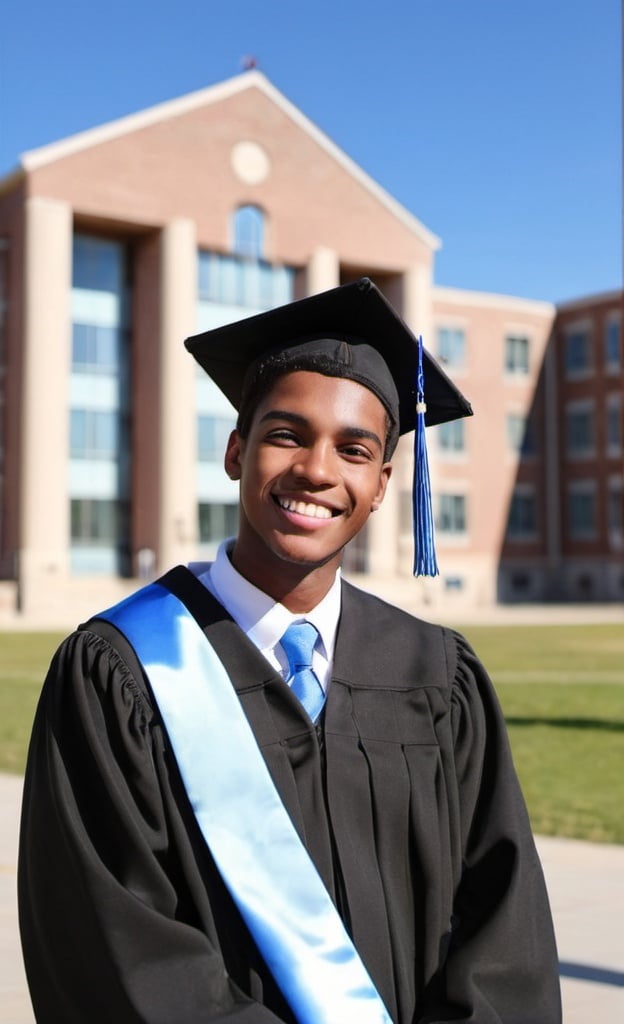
264	372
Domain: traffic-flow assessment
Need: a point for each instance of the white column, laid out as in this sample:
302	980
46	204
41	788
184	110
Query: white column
178	430
44	456
322	271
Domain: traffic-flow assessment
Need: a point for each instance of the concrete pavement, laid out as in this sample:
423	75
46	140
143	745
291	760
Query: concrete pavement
585	882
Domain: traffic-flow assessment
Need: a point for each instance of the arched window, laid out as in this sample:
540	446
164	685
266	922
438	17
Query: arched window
248	232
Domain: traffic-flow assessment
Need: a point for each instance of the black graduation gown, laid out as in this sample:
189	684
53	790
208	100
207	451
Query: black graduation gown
406	799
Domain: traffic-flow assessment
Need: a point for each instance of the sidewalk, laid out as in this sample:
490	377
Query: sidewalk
585	881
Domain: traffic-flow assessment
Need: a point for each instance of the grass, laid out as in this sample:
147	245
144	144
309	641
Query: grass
562	692
24	658
561	689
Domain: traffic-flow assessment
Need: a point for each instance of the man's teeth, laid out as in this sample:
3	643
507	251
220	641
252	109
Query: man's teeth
305	508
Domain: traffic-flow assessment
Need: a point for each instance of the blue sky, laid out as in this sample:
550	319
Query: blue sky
496	122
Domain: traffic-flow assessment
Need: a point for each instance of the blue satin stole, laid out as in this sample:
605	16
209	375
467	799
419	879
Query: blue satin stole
256	847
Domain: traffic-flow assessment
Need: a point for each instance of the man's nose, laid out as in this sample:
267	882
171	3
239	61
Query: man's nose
317	464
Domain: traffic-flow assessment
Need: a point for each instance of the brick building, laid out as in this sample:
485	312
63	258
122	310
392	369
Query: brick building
117	243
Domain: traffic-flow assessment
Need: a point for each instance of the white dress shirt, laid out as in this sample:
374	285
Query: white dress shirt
264	620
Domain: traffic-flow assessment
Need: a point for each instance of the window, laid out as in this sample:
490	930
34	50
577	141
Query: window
248	232
520	433
216	522
454	583
451	516
520	582
516	354
93	434
615	508
451	436
614	425
522	522
580	430
99	413
97	264
250	284
577	352
612	351
212	437
582	510
451	346
95	521
95	349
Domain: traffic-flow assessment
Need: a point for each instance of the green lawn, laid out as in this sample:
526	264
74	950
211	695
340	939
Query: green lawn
561	688
562	692
24	658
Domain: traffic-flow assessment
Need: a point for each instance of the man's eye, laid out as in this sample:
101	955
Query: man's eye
283	437
356	451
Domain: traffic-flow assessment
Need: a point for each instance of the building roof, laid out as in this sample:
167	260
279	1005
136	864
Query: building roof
491	300
254	79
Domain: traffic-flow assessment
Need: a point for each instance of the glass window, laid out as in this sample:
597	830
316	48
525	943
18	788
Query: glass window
516	354
522	515
212	437
614	426
232	281
95	521
520	433
451	436
520	582
615	508
454	583
248	232
99	416
451	346
217	522
580	430
582	513
96	264
95	349
577	352
93	434
613	357
451	516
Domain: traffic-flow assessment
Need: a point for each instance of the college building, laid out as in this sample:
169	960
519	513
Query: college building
117	243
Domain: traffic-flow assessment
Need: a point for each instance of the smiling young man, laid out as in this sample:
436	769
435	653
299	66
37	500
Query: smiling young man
256	794
312	468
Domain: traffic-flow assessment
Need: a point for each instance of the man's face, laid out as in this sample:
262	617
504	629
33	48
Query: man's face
311	471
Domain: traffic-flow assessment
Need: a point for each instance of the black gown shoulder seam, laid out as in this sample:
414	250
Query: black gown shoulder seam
116	643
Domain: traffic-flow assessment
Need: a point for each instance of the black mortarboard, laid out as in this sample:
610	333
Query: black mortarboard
356	313
352	332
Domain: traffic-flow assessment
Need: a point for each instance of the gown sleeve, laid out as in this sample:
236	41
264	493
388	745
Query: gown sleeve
116	923
501	966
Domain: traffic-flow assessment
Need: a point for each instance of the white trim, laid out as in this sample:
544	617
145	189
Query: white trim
457	296
35	158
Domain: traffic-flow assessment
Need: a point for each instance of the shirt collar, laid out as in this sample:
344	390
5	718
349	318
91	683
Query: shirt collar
264	620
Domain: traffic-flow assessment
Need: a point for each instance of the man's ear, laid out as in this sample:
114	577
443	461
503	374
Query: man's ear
384	476
233	456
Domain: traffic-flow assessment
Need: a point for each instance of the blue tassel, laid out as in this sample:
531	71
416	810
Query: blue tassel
425	563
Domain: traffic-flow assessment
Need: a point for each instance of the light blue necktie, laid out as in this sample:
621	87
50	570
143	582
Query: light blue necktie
298	642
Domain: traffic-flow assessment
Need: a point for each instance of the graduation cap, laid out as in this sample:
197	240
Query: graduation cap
353	332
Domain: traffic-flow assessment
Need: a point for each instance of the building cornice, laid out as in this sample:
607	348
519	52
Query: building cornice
491	300
598	299
36	158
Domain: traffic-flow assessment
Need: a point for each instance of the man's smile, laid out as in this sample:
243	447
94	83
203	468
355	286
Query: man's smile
305	508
